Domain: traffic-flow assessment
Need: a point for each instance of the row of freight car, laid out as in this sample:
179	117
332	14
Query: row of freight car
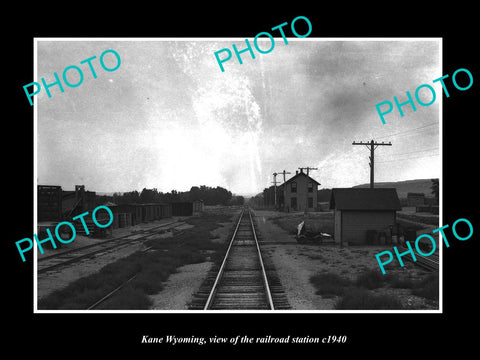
125	215
55	204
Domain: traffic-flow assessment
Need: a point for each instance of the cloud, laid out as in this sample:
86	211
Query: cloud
169	118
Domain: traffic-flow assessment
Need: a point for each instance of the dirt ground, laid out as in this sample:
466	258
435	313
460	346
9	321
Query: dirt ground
296	263
58	279
180	287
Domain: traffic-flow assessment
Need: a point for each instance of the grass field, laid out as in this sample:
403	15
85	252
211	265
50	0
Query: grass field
316	222
150	268
425	219
358	295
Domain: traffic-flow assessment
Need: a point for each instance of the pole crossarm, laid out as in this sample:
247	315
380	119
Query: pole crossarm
308	168
372	145
284	173
369	143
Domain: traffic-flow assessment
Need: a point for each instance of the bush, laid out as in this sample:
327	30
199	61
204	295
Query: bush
370	279
329	284
398	282
360	299
428	287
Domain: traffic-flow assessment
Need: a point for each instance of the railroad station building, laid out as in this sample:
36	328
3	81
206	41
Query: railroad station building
359	212
299	193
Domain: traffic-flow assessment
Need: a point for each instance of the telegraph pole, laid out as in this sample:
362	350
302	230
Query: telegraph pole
372	145
284	173
308	168
275	183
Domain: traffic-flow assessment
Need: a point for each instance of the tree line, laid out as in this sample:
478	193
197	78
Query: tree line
209	195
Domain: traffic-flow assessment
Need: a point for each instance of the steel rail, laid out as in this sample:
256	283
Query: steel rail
111	293
222	267
427	263
424	261
264	273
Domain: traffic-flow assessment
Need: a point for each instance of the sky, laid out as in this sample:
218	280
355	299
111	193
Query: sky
169	118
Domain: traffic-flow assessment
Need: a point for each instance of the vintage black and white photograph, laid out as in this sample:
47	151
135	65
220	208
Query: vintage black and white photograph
295	180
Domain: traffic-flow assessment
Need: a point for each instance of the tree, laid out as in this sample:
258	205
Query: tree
210	196
194	193
256	201
132	197
237	200
150	196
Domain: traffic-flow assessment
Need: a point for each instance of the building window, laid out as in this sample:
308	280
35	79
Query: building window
310	187
310	202
293	187
293	203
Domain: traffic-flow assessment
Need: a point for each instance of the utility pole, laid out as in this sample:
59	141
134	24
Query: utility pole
308	168
275	183
372	145
284	173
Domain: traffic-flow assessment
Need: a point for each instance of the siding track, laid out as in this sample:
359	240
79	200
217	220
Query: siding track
56	261
431	263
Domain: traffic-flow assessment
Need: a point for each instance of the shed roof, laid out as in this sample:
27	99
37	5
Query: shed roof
364	199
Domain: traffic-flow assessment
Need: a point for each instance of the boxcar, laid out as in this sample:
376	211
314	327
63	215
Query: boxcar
182	208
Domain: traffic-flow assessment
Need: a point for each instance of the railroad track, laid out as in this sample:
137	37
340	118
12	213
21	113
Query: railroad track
430	263
243	281
64	258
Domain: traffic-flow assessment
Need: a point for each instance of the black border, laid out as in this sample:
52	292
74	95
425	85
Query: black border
397	333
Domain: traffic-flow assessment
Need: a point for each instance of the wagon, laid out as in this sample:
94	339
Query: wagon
305	236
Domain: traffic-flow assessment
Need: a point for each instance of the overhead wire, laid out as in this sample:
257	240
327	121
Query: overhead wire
408	158
409	130
415	151
410	152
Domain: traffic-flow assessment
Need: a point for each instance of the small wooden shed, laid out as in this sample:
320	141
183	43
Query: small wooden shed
358	210
415	199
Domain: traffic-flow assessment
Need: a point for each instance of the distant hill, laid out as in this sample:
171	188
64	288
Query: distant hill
404	187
